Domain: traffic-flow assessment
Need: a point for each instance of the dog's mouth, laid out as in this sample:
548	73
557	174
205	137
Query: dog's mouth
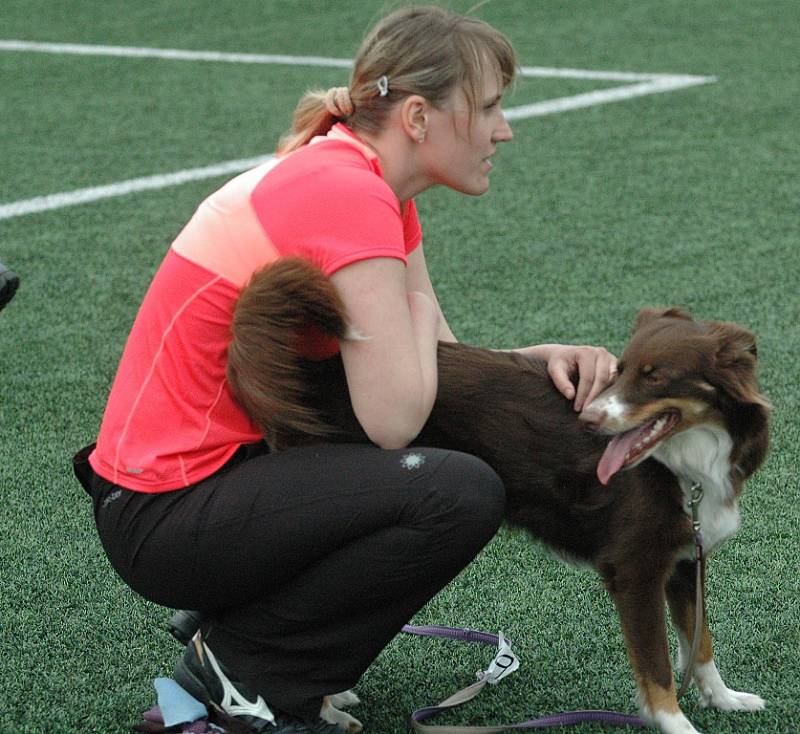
628	448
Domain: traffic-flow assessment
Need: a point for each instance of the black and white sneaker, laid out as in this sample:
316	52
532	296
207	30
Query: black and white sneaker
201	675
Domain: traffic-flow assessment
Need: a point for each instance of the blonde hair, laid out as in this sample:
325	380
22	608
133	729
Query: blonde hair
427	51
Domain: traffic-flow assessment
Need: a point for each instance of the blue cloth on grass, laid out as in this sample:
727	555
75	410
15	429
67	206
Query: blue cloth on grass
177	706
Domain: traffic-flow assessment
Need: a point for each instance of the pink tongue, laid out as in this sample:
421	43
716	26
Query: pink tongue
614	456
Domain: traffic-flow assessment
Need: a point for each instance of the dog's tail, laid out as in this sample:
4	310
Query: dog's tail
265	365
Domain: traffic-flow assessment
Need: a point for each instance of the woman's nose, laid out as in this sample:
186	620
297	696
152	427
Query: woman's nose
503	133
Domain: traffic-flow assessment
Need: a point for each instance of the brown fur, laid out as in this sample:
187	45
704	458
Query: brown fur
269	319
505	409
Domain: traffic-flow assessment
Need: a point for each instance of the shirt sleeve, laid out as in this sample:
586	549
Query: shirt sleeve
335	214
412	229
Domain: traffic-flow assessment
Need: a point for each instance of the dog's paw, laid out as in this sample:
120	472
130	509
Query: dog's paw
344	699
331	713
342	719
672	723
729	700
715	694
667	722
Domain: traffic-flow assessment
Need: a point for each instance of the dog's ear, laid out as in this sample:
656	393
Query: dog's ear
651	313
735	362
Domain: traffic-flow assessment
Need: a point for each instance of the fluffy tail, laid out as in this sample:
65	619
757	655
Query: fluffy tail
265	368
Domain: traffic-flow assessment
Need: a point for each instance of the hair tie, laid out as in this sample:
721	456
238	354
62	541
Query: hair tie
338	102
383	86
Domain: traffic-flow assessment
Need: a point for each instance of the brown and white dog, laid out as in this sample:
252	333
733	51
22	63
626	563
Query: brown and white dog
684	409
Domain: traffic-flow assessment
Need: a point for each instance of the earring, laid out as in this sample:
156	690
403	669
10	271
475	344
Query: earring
421	138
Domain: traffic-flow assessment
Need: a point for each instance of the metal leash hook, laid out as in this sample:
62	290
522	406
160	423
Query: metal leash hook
694	505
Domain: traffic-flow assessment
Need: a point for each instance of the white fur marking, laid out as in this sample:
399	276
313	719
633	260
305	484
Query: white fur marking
611	406
702	454
715	694
684	650
354	335
345	699
342	719
673	723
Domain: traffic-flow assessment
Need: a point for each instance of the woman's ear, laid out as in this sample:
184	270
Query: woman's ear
414	116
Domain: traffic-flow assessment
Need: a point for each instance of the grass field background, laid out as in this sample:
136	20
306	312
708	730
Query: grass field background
689	198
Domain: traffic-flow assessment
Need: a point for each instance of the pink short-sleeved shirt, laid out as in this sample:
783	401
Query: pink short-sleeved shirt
171	419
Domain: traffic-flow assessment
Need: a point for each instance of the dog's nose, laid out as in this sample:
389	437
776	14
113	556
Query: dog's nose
592	417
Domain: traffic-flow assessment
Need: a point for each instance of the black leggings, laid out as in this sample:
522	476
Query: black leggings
305	562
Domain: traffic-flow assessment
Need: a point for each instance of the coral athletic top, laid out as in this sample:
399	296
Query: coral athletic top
171	419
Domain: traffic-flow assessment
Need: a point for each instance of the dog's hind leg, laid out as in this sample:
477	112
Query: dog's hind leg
681	595
640	603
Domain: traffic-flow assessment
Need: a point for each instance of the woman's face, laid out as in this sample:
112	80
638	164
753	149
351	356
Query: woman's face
461	144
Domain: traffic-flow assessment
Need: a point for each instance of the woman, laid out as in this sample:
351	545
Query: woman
307	562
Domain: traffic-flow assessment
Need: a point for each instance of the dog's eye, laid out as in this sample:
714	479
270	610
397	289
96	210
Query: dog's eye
652	375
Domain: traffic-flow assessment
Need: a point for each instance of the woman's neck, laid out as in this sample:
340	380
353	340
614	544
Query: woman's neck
399	160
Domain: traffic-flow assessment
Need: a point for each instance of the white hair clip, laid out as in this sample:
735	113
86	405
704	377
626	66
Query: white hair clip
383	85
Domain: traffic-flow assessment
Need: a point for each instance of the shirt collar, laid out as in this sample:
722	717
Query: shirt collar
340	131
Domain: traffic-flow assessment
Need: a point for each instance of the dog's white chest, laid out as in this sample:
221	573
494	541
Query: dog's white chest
702	455
718	523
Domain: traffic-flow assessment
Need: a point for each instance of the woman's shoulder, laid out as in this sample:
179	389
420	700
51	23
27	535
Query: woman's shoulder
332	170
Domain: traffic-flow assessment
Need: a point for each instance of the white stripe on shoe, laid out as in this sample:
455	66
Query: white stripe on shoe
233	702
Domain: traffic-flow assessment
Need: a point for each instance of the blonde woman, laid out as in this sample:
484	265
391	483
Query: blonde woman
306	562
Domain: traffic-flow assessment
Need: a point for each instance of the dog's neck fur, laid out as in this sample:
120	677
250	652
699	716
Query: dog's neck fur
702	454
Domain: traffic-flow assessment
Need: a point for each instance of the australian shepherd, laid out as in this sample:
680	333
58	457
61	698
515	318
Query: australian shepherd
610	488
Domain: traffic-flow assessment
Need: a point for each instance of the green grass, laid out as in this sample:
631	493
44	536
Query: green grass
686	198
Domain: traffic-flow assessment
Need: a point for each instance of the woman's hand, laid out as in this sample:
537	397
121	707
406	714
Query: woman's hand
594	367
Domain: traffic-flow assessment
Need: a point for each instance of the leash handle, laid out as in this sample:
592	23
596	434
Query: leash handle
452	633
504	663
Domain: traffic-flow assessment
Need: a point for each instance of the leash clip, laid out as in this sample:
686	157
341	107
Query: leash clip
694	504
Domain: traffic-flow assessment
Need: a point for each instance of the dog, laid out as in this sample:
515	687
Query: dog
609	488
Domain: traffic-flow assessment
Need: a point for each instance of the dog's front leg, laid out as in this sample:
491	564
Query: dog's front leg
640	603
681	595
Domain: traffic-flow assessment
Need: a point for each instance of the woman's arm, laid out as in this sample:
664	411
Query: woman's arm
418	279
392	372
594	367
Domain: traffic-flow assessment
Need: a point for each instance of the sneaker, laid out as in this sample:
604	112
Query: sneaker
9	282
201	675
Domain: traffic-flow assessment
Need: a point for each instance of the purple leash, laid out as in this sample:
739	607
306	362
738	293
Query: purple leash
570	718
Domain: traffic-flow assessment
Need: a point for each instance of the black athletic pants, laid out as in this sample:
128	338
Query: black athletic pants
307	562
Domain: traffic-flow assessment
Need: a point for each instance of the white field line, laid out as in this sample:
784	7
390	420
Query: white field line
656	84
638	85
171	54
122	188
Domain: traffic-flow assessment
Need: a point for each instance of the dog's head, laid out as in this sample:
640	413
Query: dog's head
674	374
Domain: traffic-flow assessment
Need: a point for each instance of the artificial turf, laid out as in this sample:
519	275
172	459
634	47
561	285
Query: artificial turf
688	198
